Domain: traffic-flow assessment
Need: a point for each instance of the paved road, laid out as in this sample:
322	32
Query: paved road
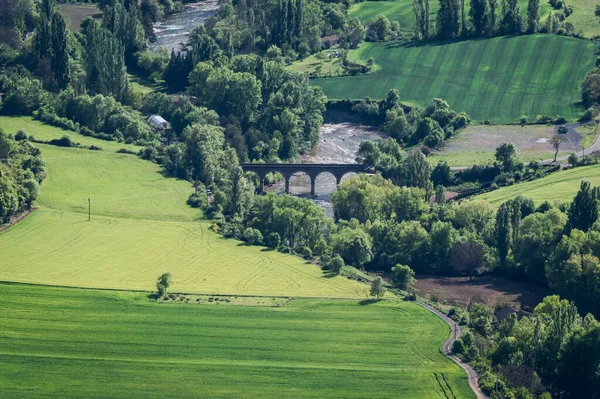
447	350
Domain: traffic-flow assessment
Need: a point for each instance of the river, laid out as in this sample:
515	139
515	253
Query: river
173	30
338	143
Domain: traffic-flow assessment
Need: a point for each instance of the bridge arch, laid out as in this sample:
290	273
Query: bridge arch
312	170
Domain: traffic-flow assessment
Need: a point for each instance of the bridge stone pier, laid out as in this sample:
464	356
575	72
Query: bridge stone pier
311	169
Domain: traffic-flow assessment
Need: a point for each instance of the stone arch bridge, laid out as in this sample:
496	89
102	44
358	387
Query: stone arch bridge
313	170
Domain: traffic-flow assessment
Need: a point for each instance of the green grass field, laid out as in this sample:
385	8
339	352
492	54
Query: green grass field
72	343
560	186
497	79
141	227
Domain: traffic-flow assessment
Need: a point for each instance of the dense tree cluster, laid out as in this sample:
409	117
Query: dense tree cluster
269	112
552	353
21	172
409	125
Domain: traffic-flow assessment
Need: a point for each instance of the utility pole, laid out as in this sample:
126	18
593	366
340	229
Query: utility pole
89	210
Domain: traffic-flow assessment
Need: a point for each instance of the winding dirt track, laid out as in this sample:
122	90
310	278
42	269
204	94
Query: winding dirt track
446	349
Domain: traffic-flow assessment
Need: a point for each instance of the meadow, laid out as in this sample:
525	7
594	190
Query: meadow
141	227
497	79
560	186
73	343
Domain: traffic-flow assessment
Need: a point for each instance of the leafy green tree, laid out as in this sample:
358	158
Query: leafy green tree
583	211
538	235
355	246
479	15
377	288
506	156
481	319
403	277
416	170
578	368
163	283
468	255
382	26
442	236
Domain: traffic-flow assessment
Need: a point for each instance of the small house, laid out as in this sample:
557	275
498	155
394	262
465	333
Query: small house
329	41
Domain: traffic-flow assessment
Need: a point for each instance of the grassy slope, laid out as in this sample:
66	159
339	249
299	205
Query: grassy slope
72	343
583	17
141	227
560	186
497	79
42	131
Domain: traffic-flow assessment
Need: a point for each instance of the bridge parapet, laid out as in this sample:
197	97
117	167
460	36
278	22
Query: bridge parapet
312	170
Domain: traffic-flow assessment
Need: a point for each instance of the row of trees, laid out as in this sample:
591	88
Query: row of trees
21	172
487	18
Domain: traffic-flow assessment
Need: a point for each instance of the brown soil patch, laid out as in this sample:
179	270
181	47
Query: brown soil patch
492	290
75	13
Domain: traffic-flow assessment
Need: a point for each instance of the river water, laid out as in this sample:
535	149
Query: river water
338	143
173	30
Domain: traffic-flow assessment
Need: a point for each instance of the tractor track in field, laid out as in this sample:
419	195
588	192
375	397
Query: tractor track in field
446	349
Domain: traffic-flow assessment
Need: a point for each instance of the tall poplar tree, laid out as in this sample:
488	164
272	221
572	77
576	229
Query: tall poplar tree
493	7
422	18
448	22
533	16
479	16
60	52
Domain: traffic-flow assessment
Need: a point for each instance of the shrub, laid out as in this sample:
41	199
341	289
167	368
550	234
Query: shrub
20	136
434	298
197	201
307	253
95	148
253	236
458	347
573	159
524	120
333	264
64	141
273	240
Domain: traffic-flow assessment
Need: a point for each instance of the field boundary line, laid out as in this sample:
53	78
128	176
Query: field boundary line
446	349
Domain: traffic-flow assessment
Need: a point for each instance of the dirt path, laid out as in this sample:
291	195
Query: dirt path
446	349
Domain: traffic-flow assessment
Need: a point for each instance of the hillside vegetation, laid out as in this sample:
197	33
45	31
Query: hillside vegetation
69	342
559	186
497	79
